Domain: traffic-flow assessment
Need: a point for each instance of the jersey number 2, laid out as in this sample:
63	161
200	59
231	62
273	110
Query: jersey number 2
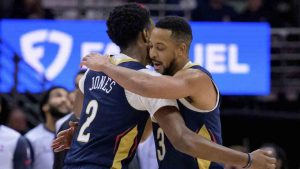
91	111
161	143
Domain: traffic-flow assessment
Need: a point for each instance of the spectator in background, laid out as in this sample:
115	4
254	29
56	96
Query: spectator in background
30	9
214	10
65	120
17	120
54	105
5	8
254	12
14	148
3	108
278	153
284	13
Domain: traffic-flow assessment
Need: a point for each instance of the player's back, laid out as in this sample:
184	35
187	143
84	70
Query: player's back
110	128
205	123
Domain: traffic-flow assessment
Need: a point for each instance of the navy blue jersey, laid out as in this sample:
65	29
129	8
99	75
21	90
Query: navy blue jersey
110	128
205	123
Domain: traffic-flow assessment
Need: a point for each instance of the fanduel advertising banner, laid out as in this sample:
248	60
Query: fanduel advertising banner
237	54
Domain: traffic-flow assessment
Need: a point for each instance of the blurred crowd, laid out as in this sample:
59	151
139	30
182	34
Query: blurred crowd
279	13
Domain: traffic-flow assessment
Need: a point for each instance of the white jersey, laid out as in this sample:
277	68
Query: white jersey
8	143
41	139
147	154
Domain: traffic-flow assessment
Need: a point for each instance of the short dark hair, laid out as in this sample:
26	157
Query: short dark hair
180	28
46	96
125	23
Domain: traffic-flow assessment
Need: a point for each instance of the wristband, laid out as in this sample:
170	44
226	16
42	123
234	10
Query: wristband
249	163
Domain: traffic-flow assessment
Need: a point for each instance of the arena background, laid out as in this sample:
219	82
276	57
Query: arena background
260	83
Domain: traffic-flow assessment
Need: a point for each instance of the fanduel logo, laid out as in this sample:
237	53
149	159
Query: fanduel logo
33	53
220	58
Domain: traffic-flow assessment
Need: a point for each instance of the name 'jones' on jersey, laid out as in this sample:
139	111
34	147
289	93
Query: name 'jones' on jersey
103	83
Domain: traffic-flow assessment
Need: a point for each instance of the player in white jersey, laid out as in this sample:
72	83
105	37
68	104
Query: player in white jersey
55	104
14	150
147	154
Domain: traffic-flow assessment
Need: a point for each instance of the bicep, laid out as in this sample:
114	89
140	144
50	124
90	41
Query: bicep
167	87
148	83
182	84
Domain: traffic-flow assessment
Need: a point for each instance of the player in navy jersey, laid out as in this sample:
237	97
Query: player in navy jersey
198	100
113	119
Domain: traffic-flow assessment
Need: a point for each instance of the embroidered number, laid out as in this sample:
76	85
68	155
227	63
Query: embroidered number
91	110
161	152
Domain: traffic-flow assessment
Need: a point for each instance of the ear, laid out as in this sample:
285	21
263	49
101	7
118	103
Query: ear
181	49
46	108
146	35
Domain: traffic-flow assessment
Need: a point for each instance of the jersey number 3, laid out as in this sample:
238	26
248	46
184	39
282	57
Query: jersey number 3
91	111
161	151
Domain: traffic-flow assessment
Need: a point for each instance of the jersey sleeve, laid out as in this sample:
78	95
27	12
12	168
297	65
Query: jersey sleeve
22	155
149	104
81	82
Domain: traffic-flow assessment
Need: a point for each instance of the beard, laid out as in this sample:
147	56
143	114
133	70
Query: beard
56	113
170	70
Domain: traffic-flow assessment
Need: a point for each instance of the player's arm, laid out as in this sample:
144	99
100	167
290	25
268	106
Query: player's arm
22	156
78	103
166	113
186	141
179	86
64	138
79	96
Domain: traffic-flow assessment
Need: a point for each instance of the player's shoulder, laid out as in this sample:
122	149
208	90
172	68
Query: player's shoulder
126	61
9	132
192	75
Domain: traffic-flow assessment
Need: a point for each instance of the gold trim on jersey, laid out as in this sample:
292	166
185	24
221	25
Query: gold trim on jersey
118	61
204	164
189	65
125	144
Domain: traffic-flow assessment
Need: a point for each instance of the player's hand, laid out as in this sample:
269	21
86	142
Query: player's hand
96	61
64	138
262	160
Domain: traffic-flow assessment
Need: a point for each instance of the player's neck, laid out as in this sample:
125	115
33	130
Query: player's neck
135	53
179	64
